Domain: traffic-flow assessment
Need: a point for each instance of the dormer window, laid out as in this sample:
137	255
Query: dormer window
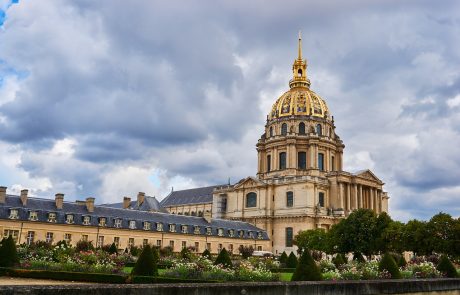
14	214
209	231
259	235
52	217
251	235
241	233
69	219
117	223
147	225
159	226
86	220
172	228
231	232
33	216
184	229
196	230
102	221
132	224
220	232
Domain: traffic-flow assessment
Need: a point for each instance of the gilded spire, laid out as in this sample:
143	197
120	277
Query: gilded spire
300	45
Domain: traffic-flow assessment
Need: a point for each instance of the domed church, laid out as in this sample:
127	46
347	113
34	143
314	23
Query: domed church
300	182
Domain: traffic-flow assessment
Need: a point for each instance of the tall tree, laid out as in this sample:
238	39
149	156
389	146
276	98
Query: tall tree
415	237
313	239
441	233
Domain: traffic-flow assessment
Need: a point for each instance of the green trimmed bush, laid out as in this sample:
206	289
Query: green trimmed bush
113	249
8	253
146	264
388	263
206	254
402	261
84	246
339	260
446	267
224	259
283	258
291	261
185	254
357	256
306	270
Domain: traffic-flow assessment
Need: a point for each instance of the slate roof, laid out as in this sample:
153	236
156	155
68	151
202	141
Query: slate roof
198	195
149	204
44	206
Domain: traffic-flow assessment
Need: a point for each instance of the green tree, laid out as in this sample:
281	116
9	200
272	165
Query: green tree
8	253
306	269
185	254
283	258
313	239
393	236
415	238
145	264
291	261
441	233
339	260
382	222
388	263
206	254
446	267
224	259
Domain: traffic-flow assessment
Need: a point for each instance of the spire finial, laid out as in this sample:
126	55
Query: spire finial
300	45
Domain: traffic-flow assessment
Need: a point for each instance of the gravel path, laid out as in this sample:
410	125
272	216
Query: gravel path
24	281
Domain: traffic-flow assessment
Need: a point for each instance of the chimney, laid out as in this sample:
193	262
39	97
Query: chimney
126	202
90	204
2	194
207	216
24	193
140	198
59	200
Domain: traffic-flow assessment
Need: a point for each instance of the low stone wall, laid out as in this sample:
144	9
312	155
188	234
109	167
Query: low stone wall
429	286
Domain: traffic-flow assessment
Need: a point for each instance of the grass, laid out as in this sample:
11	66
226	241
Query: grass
286	276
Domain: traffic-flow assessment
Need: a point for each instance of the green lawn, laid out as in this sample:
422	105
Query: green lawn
286	276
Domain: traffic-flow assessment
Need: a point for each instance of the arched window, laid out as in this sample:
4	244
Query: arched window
302	160
319	130
299	73
271	131
321	162
269	163
302	128
284	129
251	200
282	161
289	199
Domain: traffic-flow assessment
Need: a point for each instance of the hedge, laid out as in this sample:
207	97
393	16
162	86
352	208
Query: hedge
160	280
64	275
279	270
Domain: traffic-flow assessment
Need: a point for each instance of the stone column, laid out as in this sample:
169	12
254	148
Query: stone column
341	195
312	156
355	192
371	190
361	205
348	196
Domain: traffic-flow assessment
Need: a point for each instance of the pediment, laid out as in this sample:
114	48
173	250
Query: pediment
367	174
249	182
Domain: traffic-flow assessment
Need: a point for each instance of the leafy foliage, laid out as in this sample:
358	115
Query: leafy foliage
306	270
146	264
339	260
446	267
388	264
8	253
357	256
313	239
84	246
223	259
113	249
246	251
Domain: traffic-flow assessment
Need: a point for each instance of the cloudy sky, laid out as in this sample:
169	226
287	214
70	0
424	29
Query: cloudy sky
108	98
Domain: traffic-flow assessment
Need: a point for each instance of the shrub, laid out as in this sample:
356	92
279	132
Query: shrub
185	254
357	256
156	255
84	246
146	264
113	249
424	270
306	270
388	263
402	261
224	259
134	250
166	251
339	260
291	261
446	267
246	251
8	253
206	254
283	258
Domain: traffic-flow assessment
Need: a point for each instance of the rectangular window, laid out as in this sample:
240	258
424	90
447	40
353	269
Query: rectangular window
146	225
321	199
84	238
100	241
172	228
184	229
333	163
171	244
208	246
51	217
259	248
159	226
196	230
289	199
184	244
30	237
282	160
102	221
220	232
116	241
49	237
269	163
68	238
132	224
159	243
130	242
145	242
209	231
13	233
289	236
197	246
321	161
302	160
86	220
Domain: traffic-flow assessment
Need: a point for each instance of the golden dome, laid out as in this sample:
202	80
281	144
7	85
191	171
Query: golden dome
299	100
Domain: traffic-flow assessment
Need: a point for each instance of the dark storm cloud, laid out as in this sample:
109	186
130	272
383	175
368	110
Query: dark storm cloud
179	87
